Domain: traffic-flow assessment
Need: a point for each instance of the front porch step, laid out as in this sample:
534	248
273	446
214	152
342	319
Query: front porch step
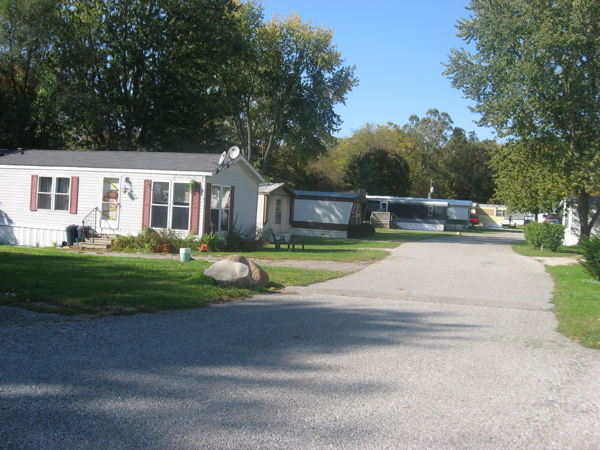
97	243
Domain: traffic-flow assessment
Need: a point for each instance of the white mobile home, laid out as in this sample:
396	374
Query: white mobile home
43	192
423	213
327	214
275	209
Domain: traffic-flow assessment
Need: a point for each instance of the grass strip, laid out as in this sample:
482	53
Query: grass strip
576	295
50	280
577	304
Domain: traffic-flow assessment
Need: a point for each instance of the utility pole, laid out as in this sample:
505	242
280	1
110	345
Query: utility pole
430	188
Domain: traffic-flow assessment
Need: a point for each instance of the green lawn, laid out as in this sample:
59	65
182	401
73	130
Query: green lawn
576	296
69	282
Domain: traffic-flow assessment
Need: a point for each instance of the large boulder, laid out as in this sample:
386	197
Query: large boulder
238	271
258	275
230	273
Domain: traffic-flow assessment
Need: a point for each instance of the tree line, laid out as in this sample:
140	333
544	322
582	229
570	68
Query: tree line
198	75
167	75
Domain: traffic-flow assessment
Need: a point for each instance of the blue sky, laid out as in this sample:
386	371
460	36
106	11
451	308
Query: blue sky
398	47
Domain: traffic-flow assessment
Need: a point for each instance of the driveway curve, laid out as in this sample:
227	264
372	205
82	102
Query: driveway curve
448	343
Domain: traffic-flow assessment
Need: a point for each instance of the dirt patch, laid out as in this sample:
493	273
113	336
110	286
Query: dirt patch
557	261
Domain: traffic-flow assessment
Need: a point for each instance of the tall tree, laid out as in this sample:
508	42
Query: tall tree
379	171
525	182
534	74
464	170
427	136
26	33
294	77
139	75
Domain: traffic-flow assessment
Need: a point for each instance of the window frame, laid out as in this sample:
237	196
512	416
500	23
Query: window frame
53	194
220	218
169	205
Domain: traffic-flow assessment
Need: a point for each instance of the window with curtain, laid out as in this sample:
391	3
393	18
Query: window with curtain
220	203
53	193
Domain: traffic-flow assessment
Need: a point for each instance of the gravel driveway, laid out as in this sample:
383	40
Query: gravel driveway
448	343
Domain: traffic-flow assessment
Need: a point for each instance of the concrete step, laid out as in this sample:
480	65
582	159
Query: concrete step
99	243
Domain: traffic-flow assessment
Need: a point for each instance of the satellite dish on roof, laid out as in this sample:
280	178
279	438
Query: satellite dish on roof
234	152
222	158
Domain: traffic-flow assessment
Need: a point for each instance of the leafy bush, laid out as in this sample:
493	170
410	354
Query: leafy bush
540	235
238	241
590	248
161	241
213	242
533	234
363	230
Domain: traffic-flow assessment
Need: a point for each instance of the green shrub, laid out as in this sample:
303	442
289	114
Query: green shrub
590	248
238	241
213	242
553	234
363	230
540	235
161	241
533	234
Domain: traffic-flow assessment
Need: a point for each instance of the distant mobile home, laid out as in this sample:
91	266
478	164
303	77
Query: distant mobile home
491	216
187	192
275	209
423	213
327	214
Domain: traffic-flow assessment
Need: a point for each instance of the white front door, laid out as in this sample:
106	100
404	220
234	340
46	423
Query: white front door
111	204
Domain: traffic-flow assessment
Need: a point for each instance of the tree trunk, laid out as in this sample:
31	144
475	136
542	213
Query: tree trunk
583	212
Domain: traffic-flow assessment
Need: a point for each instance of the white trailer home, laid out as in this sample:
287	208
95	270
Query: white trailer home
44	192
327	214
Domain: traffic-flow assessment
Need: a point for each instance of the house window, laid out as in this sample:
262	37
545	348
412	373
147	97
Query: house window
170	205
430	211
220	203
278	207
53	193
499	213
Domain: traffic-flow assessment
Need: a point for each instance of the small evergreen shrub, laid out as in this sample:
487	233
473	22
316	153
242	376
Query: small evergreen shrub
590	248
363	230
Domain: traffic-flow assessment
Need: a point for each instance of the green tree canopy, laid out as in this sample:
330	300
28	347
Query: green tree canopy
26	33
287	87
140	75
379	171
534	73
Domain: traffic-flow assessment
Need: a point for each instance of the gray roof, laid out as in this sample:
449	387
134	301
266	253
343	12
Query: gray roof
169	161
268	188
466	203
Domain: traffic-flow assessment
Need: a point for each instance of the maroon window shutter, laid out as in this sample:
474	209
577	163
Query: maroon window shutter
231	203
208	193
195	211
147	203
74	195
34	188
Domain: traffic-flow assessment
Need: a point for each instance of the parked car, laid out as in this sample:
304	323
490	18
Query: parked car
473	219
553	219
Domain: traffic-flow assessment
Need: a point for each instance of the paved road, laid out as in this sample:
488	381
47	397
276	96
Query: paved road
448	343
